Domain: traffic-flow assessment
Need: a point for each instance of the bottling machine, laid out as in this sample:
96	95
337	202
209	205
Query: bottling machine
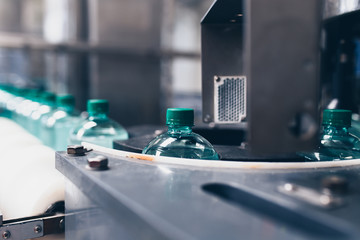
269	67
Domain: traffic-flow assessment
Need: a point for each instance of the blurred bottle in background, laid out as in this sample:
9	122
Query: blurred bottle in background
26	107
47	104
5	96
98	128
63	120
13	104
64	108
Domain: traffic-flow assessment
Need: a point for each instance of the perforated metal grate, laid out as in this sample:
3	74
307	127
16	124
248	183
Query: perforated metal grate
230	99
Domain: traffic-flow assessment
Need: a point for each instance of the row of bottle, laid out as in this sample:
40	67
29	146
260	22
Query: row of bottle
56	122
338	141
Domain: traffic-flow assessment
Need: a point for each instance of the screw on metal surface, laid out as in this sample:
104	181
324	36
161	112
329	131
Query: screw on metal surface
335	184
77	150
6	235
217	78
37	229
326	200
98	162
289	187
62	224
207	118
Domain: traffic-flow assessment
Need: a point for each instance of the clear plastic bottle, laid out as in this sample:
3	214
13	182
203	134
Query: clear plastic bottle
336	142
62	121
5	96
47	104
13	102
98	128
17	103
32	105
46	132
64	108
179	141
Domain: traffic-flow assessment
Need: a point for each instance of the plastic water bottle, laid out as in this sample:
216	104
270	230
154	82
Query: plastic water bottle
15	103
63	115
33	97
179	141
336	142
8	100
63	120
98	128
47	104
5	96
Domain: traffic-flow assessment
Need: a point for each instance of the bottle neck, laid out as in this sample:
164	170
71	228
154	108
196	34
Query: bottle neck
179	130
335	130
97	116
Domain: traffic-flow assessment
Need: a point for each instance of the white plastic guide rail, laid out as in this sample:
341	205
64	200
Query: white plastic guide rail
222	163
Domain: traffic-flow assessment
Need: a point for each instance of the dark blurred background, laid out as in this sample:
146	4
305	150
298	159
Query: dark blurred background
141	55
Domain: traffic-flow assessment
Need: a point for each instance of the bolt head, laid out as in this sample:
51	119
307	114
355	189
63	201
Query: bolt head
6	235
37	229
98	162
76	150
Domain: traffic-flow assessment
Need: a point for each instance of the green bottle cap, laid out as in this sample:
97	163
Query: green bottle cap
98	106
65	100
337	117
48	97
180	116
33	94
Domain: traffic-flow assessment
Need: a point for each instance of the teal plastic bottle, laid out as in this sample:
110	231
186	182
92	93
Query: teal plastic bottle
98	128
336	142
47	104
5	97
179	141
13	103
32	105
63	120
21	105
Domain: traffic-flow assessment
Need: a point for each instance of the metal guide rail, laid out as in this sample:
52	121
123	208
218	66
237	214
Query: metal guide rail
32	227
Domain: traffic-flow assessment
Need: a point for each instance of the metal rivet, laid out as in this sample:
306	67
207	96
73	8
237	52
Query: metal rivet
6	235
98	162
37	229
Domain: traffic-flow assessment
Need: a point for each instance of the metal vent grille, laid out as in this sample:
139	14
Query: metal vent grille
230	99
